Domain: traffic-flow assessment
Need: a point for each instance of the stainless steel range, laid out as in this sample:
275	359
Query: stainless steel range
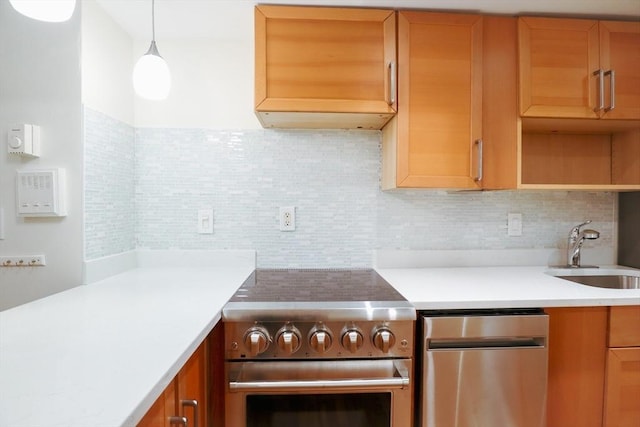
318	348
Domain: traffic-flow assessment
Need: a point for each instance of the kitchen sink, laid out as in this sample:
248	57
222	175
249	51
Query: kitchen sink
611	278
612	282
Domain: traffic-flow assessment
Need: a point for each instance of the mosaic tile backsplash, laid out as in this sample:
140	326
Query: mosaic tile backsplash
109	177
330	176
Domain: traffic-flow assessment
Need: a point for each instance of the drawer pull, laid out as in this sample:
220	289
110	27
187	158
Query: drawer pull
612	89
600	74
194	404
178	420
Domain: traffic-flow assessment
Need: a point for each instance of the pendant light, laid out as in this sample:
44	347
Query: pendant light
151	76
45	10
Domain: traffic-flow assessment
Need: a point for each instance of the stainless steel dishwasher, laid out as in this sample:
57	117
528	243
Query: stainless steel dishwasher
484	368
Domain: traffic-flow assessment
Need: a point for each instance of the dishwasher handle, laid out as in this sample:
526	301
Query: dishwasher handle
485	343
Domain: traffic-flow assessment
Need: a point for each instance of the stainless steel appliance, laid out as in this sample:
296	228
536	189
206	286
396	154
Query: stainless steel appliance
318	348
484	368
628	230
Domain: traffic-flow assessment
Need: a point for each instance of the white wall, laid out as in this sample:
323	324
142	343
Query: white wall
40	84
106	64
212	85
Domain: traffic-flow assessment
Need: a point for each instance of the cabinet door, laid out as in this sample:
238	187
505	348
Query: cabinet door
622	396
500	130
192	394
558	59
620	52
440	99
162	410
324	60
216	383
185	396
577	352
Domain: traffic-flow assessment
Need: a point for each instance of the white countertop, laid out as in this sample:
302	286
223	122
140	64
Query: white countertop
500	287
98	355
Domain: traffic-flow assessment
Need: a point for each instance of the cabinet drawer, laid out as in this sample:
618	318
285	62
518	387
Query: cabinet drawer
624	326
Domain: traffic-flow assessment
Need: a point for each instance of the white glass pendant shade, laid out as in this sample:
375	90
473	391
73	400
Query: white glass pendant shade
151	76
45	10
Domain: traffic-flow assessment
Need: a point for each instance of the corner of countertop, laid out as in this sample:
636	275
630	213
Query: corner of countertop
105	267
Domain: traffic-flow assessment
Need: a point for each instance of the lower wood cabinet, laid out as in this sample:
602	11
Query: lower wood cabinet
577	349
594	367
622	390
184	401
196	394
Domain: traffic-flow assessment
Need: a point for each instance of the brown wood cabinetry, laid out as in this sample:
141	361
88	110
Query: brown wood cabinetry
622	392
439	138
571	70
321	67
577	348
197	391
185	396
594	367
577	68
579	159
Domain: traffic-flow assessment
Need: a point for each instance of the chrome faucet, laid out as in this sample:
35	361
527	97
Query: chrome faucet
576	239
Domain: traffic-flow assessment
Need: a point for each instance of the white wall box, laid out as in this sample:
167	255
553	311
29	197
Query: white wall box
40	193
24	140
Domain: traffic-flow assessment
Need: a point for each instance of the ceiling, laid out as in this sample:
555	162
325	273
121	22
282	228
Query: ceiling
233	19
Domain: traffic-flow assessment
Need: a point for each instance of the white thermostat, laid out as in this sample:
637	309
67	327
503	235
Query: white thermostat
40	193
24	140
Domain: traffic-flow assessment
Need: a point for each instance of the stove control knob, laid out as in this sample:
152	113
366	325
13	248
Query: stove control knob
320	339
383	339
352	339
256	339
288	339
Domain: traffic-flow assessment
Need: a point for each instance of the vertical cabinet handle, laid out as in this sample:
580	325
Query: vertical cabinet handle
178	420
478	177
600	74
612	89
194	405
392	83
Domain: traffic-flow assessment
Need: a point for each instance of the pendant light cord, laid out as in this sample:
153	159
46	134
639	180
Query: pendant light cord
153	21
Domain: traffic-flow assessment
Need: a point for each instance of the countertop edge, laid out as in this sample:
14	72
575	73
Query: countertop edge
166	379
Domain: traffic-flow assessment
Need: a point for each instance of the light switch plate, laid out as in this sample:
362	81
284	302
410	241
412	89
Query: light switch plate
514	224
205	221
40	193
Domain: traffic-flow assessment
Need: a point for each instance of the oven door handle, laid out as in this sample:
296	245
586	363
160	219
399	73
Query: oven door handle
359	384
400	379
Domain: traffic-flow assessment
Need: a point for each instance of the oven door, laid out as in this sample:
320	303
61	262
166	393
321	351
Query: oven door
342	393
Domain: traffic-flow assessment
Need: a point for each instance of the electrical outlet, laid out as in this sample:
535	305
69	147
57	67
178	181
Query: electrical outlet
514	224
23	261
288	218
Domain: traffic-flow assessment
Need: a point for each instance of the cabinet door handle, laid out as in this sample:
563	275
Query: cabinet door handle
194	404
178	420
478	177
392	83
612	89
600	74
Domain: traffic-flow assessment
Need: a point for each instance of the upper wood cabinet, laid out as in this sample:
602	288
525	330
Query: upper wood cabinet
576	159
571	70
321	67
575	68
440	138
